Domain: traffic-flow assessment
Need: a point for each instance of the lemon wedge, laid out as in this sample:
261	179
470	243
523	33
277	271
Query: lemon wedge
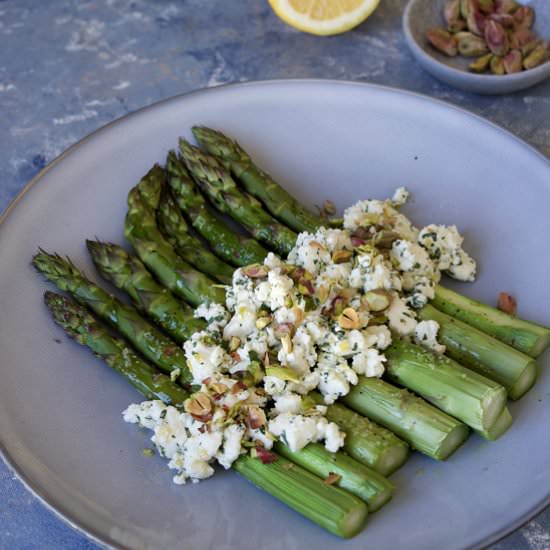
323	17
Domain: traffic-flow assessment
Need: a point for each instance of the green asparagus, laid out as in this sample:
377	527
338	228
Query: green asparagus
175	229
454	389
486	355
330	507
527	337
334	509
217	183
279	202
425	428
129	274
366	442
81	325
499	428
146	338
235	249
350	475
156	253
154	193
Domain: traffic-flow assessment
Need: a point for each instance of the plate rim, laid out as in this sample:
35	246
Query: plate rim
103	539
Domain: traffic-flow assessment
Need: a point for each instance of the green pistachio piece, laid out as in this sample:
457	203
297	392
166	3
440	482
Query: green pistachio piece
537	57
282	373
470	45
385	238
465	7
513	62
497	65
476	22
504	19
377	300
529	47
519	38
257	372
524	17
486	6
451	13
506	6
481	64
443	41
496	38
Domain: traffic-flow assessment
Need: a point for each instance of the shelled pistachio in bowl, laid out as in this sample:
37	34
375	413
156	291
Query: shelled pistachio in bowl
497	33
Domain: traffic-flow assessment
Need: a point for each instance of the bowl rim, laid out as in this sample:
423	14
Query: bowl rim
542	71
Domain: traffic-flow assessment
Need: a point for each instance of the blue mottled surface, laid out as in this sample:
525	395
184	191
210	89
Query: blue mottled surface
68	67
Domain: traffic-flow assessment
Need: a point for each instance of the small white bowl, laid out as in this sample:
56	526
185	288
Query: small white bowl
421	15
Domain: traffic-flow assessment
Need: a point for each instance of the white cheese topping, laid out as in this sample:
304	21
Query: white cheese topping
425	334
444	244
317	321
296	431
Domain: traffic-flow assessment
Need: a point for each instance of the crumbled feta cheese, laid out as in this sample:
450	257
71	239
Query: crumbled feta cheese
370	363
297	431
463	267
425	334
205	358
309	253
377	336
372	272
375	212
275	291
315	321
401	319
409	256
335	377
243	321
302	354
231	446
288	403
444	244
214	314
177	437
401	196
272	261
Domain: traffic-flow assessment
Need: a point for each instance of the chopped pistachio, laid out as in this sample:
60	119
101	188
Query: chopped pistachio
377	300
349	319
481	64
282	373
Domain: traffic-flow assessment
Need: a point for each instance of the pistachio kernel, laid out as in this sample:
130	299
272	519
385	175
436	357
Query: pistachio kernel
317	245
349	319
198	405
323	293
286	343
341	256
298	314
255	271
234	343
377	300
262	322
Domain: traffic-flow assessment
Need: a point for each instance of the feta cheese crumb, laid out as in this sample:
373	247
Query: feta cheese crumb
297	431
204	357
177	437
214	314
425	334
444	245
401	196
401	318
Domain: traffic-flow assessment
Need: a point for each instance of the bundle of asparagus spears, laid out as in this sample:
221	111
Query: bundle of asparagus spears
424	401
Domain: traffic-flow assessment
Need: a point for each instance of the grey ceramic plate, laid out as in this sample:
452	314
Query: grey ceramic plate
60	424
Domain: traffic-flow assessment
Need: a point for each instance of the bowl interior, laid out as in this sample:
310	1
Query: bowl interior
425	14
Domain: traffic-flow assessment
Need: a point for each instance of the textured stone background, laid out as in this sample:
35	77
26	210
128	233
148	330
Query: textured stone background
68	67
